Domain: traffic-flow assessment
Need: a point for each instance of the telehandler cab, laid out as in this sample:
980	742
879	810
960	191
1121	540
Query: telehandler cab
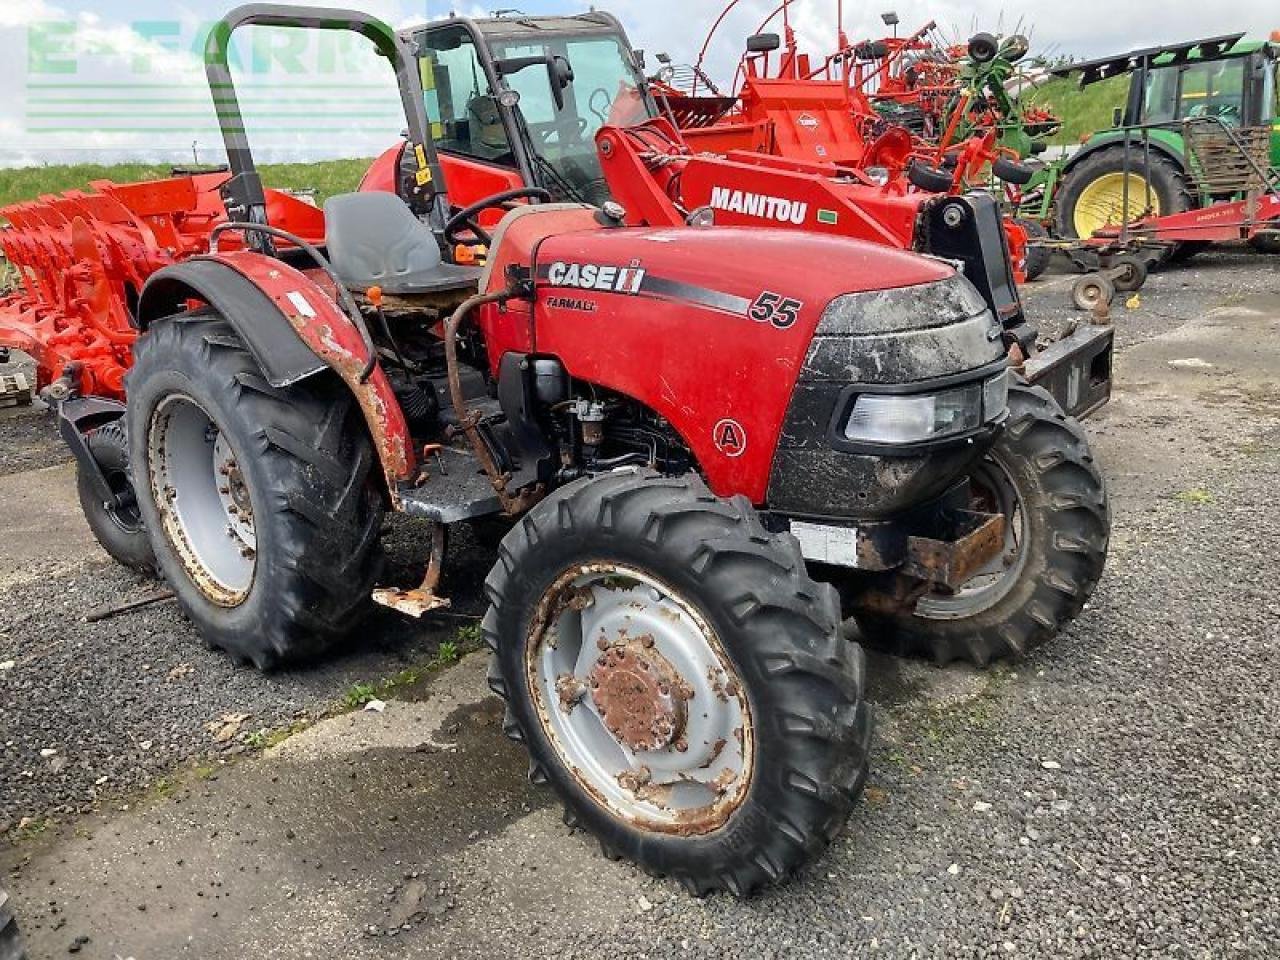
678	424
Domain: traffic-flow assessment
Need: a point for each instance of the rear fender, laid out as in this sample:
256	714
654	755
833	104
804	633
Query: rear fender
1164	142
294	329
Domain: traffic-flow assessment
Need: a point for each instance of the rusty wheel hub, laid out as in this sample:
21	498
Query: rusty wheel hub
640	700
639	695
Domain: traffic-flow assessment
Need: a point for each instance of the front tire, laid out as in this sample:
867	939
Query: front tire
740	750
261	502
1041	475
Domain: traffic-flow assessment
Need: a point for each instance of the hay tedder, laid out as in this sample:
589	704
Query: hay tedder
912	114
707	444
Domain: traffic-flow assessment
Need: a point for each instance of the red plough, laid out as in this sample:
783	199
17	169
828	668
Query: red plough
85	256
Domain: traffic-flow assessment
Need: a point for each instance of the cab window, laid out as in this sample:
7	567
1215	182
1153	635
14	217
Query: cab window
465	117
1197	90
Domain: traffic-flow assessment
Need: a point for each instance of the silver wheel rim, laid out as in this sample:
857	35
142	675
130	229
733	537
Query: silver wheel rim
204	503
639	699
994	492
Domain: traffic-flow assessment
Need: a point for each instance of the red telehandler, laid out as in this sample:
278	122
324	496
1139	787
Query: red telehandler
691	432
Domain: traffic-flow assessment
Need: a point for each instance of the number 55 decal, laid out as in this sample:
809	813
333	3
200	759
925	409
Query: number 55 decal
776	309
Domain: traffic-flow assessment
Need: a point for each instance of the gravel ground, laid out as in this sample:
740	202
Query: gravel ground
1110	796
127	700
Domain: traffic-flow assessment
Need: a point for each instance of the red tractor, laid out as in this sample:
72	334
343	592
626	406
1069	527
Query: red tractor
703	441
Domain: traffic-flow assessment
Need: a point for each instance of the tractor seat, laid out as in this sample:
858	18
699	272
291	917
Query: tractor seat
374	240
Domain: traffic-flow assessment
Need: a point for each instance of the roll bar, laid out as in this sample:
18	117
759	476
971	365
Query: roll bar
243	193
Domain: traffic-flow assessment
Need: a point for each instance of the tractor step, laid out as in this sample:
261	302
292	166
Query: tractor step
453	488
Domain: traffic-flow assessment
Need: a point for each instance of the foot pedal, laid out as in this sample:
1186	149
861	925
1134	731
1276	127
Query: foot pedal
15	390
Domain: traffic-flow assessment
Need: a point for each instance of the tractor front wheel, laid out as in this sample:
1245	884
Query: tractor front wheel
117	526
1041	476
678	679
261	501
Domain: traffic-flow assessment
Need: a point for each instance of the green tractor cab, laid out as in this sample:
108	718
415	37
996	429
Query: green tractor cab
1143	165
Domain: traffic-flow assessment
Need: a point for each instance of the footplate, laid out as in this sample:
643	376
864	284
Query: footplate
1076	369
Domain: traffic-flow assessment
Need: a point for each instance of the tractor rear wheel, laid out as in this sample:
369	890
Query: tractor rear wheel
1091	196
117	527
1042	477
261	502
678	679
10	939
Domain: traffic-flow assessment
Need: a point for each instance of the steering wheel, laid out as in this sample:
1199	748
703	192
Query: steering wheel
603	115
467	216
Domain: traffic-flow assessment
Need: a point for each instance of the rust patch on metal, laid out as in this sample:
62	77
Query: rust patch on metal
729	788
571	690
978	539
640	696
421	601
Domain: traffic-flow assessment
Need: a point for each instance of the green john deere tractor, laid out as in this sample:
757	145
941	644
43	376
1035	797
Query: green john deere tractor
1228	82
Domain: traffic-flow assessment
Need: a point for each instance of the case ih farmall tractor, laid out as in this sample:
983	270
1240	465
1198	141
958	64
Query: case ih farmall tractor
687	428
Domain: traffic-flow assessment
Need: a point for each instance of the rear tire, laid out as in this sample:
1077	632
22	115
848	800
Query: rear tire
10	940
803	745
1064	525
119	530
1169	187
269	536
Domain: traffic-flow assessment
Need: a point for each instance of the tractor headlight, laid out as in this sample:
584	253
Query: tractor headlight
899	419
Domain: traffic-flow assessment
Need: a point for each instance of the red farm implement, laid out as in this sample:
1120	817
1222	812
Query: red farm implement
84	258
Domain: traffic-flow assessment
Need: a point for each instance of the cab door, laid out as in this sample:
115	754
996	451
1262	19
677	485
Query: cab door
469	130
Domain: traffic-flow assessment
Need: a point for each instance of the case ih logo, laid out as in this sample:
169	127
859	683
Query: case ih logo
808	121
759	205
591	276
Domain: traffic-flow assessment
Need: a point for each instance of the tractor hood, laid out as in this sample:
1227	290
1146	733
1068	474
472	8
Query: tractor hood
741	262
712	327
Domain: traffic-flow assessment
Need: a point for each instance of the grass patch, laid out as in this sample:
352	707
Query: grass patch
31	830
1196	497
465	640
941	723
1083	111
326	178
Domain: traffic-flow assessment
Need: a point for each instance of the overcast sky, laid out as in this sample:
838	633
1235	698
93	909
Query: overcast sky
121	79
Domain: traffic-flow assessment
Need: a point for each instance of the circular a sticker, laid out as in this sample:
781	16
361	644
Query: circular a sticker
730	439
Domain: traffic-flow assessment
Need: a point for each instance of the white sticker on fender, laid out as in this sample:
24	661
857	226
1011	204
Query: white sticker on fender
302	304
825	544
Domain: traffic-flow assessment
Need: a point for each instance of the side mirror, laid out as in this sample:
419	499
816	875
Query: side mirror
1117	116
763	43
637	57
559	72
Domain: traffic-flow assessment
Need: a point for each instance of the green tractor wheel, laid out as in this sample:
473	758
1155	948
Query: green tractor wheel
1092	196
